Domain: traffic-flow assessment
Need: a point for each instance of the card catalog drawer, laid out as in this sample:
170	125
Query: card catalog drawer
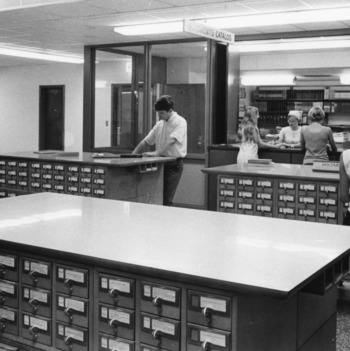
160	299
160	332
202	338
117	321
72	280
307	189
70	338
110	343
118	291
8	293
72	310
226	182
36	273
150	348
36	329
8	321
209	310
36	301
8	267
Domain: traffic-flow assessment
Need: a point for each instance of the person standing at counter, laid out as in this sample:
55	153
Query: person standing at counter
344	183
290	136
315	137
169	135
248	133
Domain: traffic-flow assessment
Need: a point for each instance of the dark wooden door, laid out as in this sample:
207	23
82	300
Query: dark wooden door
190	103
51	126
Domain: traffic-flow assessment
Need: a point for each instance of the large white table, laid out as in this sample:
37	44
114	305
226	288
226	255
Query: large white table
272	270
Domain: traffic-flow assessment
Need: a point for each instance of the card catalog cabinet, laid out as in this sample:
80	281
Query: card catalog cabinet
141	183
313	201
49	304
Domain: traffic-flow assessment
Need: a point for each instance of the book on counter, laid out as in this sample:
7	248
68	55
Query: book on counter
260	161
57	153
112	155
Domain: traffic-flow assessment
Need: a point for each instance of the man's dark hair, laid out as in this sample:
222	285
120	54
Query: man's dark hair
164	103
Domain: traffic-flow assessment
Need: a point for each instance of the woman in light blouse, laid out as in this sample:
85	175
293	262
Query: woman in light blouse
290	136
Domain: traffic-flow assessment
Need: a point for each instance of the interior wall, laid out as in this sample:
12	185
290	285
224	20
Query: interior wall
303	62
19	105
186	70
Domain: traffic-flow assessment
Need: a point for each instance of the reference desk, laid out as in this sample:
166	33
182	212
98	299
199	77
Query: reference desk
278	190
79	273
132	179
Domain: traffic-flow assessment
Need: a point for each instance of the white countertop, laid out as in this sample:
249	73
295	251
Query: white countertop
243	251
275	170
86	157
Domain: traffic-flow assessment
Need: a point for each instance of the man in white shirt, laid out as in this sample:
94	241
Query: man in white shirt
169	136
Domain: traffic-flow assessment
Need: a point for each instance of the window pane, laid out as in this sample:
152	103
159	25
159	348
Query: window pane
118	97
180	70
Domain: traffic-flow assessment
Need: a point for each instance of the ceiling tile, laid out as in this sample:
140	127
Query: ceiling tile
222	9
68	27
128	5
79	9
321	26
267	6
24	16
326	3
184	3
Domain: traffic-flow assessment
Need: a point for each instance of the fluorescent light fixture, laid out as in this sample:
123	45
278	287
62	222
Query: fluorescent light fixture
258	20
268	80
282	18
39	55
294	44
150	28
345	79
22	4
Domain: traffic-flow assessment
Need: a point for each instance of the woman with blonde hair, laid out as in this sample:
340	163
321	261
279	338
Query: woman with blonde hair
248	133
314	138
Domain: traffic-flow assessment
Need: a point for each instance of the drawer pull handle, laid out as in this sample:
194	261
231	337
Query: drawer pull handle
2	297
2	271
207	313
206	346
34	276
113	323
113	293
157	335
69	313
69	284
2	324
68	341
33	303
157	302
33	330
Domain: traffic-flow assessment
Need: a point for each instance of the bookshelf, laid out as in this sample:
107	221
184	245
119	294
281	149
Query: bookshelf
274	104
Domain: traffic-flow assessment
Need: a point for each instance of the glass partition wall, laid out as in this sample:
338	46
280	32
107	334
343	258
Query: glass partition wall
127	80
118	113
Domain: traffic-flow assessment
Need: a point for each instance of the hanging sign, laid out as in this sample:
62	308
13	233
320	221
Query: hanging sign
208	32
326	167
